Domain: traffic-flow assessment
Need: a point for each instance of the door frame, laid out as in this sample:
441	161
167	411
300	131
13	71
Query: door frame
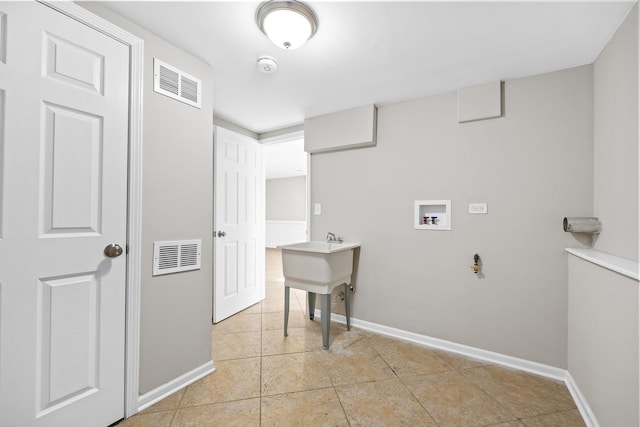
134	187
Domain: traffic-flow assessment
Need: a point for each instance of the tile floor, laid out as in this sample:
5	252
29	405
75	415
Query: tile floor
265	379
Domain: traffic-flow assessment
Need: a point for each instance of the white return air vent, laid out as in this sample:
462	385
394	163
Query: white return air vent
177	255
176	84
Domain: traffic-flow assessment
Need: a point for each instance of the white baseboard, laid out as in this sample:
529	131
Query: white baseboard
583	406
477	353
165	390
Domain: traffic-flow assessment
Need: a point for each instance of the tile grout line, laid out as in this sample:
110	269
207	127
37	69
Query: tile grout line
175	413
341	405
482	390
402	382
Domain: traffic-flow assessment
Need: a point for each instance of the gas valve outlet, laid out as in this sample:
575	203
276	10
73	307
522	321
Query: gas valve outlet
476	267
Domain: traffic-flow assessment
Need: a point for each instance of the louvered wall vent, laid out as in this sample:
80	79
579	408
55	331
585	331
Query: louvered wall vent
176	84
177	255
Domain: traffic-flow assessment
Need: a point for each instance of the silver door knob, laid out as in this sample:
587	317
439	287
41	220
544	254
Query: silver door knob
113	250
221	234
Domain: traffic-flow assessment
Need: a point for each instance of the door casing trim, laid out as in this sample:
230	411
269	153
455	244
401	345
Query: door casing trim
134	196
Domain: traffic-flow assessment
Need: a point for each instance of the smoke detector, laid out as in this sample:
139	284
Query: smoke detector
267	64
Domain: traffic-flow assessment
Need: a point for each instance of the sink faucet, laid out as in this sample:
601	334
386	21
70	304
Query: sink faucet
332	238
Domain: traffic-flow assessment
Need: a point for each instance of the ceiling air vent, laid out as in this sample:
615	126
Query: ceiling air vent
177	255
176	84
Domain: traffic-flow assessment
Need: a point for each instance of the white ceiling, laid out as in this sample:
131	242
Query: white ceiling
375	52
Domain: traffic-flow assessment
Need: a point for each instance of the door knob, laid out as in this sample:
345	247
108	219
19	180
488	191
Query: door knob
113	250
221	234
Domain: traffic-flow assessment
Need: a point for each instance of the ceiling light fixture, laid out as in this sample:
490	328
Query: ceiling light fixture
289	24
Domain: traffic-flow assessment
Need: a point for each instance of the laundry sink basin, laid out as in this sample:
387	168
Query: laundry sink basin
317	266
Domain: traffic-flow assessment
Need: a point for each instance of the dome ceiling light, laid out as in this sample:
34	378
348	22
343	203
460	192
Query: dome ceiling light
289	24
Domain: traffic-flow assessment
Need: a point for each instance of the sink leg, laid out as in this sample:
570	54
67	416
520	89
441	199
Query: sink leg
311	302
326	319
286	309
347	306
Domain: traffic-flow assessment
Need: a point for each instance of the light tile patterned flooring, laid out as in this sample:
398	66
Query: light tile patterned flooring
364	379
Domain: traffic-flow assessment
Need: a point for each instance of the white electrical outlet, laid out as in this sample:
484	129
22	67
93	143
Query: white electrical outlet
478	208
317	209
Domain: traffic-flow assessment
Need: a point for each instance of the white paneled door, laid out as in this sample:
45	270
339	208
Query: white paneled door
63	202
239	223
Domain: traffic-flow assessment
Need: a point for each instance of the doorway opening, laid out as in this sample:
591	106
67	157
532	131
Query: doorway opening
287	197
286	192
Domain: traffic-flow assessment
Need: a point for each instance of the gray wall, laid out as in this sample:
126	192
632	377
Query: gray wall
616	142
177	202
286	199
603	341
604	333
533	167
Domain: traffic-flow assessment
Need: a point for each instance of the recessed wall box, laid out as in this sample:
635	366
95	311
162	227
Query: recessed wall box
342	130
480	102
432	215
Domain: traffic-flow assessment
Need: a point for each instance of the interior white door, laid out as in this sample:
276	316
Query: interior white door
239	223
63	199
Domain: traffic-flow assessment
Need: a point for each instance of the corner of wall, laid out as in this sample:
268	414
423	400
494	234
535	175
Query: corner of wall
616	86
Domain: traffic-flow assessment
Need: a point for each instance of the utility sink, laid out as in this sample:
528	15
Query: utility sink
318	267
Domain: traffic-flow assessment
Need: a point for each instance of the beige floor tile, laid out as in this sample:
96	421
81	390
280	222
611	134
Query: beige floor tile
238	413
523	394
236	346
152	419
273	303
341	338
452	400
301	296
355	364
276	281
232	380
409	359
275	288
273	263
570	418
286	373
382	403
255	308
299	340
377	340
238	323
305	408
314	334
275	320
508	424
